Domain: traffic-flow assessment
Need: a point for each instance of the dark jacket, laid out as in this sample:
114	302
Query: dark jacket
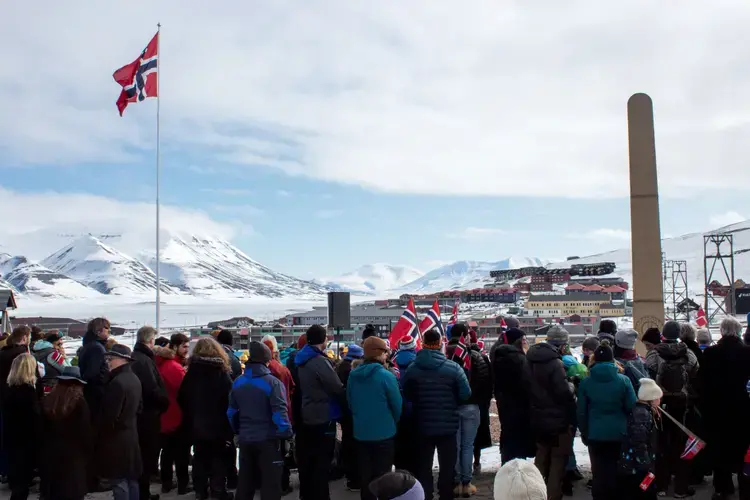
435	387
553	406
343	370
257	406
480	379
52	361
322	391
7	355
234	363
513	397
641	442
21	417
375	401
117	454
296	409
633	365
693	346
155	397
674	353
605	399
67	443
93	370
204	399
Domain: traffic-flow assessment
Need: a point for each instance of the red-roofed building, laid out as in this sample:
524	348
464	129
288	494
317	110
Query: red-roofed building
574	287
617	292
593	289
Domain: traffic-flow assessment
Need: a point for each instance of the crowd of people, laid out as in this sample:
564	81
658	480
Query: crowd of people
123	419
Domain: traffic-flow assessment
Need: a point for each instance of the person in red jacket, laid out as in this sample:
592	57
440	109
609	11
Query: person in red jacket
170	362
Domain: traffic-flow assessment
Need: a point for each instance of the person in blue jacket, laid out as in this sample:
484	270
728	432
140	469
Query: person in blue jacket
605	400
259	417
375	401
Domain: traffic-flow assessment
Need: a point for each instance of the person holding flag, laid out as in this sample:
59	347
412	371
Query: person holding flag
406	326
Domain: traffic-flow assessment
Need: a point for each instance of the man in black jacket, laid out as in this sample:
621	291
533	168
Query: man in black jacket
155	402
18	343
92	364
226	339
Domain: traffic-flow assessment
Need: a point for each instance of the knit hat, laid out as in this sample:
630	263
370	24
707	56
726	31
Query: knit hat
354	352
652	336
603	354
432	340
512	335
120	351
671	330
407	343
374	347
316	335
71	373
259	353
519	480
649	391
512	322
591	343
368	331
271	343
608	326
625	339
557	336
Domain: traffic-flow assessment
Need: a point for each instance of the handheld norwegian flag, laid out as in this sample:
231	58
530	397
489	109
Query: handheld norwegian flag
480	342
462	353
692	447
454	315
432	320
139	79
701	320
405	327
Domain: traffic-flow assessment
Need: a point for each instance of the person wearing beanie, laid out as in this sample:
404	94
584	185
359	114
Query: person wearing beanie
368	331
226	339
651	338
552	408
724	374
397	485
481	383
512	393
435	388
348	446
607	330
259	416
605	400
639	453
405	457
375	403
633	366
519	480
322	395
590	344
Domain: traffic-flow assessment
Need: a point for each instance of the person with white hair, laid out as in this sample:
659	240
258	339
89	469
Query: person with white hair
724	373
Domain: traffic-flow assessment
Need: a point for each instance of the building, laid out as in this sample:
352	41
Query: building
617	281
361	314
236	322
67	327
446	299
580	303
610	310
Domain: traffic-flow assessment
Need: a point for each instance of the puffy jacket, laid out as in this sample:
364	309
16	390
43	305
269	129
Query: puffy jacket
674	352
321	390
634	368
234	363
435	386
639	450
375	402
155	399
94	371
605	399
480	379
258	406
204	399
553	408
282	373
513	397
172	373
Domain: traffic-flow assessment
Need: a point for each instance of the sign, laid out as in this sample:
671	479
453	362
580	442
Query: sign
742	300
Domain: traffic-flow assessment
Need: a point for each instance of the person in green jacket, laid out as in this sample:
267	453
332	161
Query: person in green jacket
605	399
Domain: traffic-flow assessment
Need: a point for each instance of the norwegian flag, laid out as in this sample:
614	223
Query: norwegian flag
692	447
480	343
139	79
462	353
454	315
432	320
701	320
503	329
405	327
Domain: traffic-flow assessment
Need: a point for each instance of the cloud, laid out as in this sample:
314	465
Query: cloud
726	219
228	191
603	234
239	210
477	233
283	193
328	214
45	222
479	100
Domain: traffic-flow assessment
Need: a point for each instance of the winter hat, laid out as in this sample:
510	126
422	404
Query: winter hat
432	340
652	336
519	480
704	336
71	373
302	341
625	339
512	322
603	354
608	327
259	353
374	347
407	343
557	336
649	391
52	337
369	331
473	336
512	335
120	351
316	335
271	343
225	337
354	352
671	330
591	343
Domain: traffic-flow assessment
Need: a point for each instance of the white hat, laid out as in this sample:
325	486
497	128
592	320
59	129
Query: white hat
649	390
519	480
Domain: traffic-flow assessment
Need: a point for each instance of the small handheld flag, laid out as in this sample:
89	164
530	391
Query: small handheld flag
692	447
406	325
432	320
462	353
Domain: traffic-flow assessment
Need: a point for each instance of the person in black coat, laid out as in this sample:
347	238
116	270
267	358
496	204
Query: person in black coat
21	425
92	363
155	402
117	454
204	400
67	439
513	397
17	344
348	450
226	339
481	393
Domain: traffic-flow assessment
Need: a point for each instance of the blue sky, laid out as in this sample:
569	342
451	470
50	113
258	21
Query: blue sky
326	136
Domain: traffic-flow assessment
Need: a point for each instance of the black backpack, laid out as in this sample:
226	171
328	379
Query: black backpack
672	377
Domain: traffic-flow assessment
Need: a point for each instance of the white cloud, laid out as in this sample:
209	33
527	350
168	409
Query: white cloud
228	191
726	219
603	234
328	213
239	210
283	193
44	222
479	100
477	233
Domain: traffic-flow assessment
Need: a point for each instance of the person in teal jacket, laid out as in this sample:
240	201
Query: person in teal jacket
374	398
605	399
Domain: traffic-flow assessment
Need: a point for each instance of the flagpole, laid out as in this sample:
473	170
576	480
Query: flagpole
158	102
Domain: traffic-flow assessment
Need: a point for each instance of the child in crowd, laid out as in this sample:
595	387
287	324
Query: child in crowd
519	480
397	485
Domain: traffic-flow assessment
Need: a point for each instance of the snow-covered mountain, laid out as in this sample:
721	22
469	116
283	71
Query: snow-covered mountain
105	269
373	278
34	279
211	266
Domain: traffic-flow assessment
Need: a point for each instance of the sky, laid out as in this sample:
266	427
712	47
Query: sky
322	135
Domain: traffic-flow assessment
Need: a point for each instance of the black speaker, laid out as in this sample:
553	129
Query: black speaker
742	300
339	310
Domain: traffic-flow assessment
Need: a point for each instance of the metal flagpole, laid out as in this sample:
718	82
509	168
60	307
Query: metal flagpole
158	102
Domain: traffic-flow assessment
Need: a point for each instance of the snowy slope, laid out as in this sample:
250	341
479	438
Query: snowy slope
32	278
214	267
372	278
104	269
